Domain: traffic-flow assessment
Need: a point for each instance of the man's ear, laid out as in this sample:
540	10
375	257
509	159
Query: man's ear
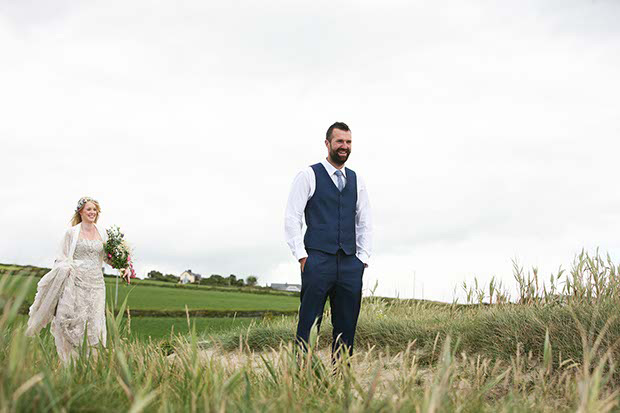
326	143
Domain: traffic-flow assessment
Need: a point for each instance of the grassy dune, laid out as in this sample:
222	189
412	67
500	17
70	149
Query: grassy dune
550	349
497	332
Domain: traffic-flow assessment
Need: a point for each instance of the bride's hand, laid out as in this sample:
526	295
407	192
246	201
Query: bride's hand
126	274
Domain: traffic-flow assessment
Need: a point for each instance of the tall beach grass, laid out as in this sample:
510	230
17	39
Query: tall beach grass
543	350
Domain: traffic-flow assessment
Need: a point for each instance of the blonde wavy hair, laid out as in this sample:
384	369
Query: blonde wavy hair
77	218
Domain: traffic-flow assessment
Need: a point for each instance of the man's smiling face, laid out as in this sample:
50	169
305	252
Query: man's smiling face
339	148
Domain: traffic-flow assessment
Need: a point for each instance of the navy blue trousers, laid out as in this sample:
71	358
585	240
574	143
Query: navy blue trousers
339	277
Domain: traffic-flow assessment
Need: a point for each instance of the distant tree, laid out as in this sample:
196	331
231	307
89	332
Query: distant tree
217	279
158	276
155	275
232	279
171	277
251	281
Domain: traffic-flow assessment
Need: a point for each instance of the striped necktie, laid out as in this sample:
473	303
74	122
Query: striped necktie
340	180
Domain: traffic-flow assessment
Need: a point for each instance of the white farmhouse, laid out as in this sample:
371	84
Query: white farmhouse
286	287
188	276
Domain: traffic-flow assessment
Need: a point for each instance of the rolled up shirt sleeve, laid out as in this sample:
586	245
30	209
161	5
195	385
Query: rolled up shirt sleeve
293	217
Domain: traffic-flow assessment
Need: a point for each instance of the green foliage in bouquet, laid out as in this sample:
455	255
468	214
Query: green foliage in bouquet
116	249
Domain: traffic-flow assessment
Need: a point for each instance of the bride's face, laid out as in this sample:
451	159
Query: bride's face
89	213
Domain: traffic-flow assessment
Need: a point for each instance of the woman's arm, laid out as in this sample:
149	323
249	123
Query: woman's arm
64	248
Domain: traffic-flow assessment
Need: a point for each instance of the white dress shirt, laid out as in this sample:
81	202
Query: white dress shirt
302	190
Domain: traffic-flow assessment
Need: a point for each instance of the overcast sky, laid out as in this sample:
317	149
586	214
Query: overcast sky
485	131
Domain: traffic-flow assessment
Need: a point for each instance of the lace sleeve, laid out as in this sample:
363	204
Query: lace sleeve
49	288
64	248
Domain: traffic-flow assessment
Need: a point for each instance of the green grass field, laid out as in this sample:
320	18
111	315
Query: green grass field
158	328
156	298
167	303
163	327
27	270
150	297
224	288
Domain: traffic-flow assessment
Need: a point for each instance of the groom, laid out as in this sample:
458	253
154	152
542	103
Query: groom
335	249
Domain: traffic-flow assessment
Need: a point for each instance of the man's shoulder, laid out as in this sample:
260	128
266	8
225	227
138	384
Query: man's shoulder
310	169
305	174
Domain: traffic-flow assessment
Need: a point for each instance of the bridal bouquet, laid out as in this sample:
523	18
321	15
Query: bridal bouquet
117	251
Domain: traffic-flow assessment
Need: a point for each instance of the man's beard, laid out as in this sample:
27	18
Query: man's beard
337	158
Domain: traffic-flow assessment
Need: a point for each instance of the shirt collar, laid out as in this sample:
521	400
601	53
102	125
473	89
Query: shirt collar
331	168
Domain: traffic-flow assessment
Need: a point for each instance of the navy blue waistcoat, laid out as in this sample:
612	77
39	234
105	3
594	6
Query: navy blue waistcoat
330	214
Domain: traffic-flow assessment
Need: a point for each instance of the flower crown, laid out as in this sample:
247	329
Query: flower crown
83	202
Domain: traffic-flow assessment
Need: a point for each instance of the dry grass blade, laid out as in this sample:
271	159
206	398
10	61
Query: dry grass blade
27	385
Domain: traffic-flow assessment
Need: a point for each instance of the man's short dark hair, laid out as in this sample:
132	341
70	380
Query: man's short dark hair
338	125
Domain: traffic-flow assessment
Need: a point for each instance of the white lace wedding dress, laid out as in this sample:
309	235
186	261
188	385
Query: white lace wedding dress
72	296
81	306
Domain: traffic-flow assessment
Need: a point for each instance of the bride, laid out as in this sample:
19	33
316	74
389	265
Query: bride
72	294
